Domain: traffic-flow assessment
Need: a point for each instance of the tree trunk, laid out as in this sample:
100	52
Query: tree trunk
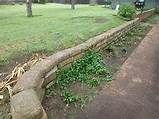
93	2
73	4
29	8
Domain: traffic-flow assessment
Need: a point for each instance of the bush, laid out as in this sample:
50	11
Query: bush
42	1
127	11
157	10
35	1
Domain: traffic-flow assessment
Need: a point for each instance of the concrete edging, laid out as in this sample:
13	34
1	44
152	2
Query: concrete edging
28	91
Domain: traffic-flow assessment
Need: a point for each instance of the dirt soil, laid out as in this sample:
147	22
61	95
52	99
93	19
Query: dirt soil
7	67
4	106
99	19
57	109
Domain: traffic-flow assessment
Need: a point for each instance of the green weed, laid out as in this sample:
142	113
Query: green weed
87	70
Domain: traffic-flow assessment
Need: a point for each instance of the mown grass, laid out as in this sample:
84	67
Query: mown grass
53	27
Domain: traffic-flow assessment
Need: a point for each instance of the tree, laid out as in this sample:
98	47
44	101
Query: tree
42	1
73	4
93	2
29	8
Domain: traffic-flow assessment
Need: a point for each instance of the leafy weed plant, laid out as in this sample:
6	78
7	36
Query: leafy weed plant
89	70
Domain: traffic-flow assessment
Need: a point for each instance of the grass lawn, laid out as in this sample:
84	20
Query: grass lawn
53	27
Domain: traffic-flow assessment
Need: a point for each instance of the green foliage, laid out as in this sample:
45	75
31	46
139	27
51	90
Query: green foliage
157	10
93	82
69	97
81	70
35	1
87	70
127	11
93	2
42	1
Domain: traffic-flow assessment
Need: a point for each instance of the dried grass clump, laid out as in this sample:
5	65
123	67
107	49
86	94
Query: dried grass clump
17	72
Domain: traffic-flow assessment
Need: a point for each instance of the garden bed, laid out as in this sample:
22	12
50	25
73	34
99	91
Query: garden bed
73	90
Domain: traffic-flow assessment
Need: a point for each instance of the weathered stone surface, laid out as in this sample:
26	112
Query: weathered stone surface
29	80
60	56
26	105
34	77
146	14
65	62
51	72
40	93
44	115
50	76
74	51
76	57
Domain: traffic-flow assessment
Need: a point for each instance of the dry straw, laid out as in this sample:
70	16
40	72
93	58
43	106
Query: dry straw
17	72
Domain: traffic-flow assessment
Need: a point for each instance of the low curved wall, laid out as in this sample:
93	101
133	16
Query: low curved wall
145	14
29	90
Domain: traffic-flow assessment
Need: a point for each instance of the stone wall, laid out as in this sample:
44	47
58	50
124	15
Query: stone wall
29	90
146	14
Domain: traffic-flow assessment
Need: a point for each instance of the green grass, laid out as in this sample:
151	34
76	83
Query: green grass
53	27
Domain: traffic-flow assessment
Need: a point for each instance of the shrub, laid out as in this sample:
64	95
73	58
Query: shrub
42	1
157	10
127	11
89	70
35	1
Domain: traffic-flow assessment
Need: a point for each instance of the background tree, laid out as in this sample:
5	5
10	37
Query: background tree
42	1
73	4
93	2
29	8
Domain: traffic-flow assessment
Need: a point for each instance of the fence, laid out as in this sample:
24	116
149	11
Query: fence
149	4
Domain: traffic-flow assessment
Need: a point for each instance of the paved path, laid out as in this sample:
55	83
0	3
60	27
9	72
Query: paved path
135	93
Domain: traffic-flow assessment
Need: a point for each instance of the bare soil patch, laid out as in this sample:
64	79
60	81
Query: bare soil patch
99	19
